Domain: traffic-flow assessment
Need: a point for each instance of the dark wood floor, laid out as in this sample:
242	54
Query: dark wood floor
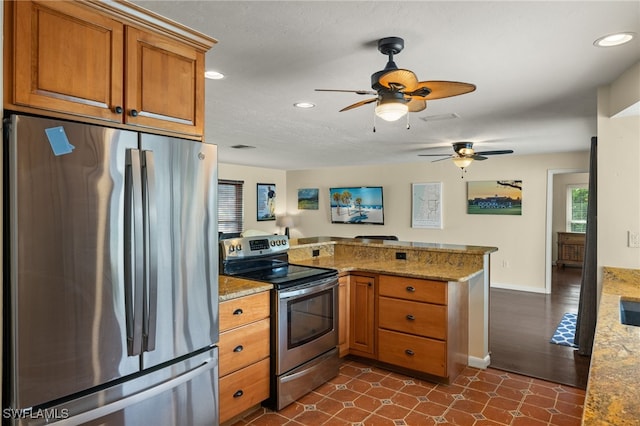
522	323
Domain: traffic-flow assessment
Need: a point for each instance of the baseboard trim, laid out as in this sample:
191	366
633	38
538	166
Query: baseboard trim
481	363
540	290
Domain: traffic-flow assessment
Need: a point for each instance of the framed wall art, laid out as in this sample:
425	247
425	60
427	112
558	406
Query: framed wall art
308	199
426	205
266	201
357	204
495	197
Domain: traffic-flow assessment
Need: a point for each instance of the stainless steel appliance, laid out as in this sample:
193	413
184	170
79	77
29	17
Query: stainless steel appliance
304	313
111	269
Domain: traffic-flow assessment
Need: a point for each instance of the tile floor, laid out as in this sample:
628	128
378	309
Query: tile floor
362	395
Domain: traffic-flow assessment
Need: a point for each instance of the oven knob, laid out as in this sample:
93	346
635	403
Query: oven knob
238	247
273	243
284	242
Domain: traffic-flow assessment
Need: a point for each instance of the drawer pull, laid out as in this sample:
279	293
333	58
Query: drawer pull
411	317
134	112
238	394
411	289
238	312
409	352
118	109
238	348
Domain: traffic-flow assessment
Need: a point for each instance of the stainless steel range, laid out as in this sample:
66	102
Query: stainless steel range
304	313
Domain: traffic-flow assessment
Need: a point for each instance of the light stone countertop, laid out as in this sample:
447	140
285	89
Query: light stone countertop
613	389
440	272
232	287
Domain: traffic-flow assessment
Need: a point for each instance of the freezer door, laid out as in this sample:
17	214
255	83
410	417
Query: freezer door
65	319
180	180
178	394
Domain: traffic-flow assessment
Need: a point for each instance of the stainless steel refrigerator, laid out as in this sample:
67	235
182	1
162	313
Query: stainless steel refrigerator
110	276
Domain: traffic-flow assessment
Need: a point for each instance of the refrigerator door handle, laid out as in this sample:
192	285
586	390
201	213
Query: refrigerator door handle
133	252
151	283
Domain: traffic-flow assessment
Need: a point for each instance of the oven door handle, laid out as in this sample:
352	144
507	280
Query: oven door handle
308	288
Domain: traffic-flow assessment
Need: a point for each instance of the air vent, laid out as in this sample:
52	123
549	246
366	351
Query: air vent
240	146
440	117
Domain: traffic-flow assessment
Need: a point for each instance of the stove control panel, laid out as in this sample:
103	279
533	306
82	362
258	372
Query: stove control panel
256	246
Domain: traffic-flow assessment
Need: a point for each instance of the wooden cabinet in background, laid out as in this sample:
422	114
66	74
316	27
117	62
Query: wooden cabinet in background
244	354
362	330
106	61
343	315
570	249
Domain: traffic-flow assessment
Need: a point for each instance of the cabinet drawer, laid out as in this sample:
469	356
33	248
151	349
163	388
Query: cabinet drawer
413	352
243	346
423	319
243	310
414	289
244	389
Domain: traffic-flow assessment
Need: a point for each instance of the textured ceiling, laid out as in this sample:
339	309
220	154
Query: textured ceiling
534	65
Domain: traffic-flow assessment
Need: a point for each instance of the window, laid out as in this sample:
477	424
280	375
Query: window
577	200
230	211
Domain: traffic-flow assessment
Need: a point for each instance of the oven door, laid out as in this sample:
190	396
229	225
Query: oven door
307	317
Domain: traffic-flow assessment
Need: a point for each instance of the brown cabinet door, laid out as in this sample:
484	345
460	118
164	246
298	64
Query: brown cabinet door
164	83
68	59
343	315
362	315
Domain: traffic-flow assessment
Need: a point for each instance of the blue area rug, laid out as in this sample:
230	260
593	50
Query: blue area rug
566	331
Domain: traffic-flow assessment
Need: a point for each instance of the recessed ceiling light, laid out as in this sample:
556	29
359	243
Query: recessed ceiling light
304	105
614	39
213	75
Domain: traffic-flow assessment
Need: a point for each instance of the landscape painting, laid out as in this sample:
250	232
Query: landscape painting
308	199
359	205
495	197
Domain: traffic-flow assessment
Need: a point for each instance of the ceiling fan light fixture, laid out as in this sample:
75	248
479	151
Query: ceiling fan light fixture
462	162
391	111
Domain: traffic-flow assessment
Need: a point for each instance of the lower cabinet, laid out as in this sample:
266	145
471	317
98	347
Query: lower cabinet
362	331
244	353
423	325
343	315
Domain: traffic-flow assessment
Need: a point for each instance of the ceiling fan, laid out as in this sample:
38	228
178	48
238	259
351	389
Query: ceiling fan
398	91
464	154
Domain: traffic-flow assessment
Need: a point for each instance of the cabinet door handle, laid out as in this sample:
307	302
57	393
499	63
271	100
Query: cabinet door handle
411	317
238	348
238	312
409	352
118	109
411	289
238	394
134	112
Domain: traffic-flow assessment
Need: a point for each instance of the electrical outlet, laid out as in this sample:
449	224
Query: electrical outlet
400	255
315	253
633	239
505	263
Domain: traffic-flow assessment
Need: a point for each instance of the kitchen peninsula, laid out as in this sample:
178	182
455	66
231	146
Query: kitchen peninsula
414	260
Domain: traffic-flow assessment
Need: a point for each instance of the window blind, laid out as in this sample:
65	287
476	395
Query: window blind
230	205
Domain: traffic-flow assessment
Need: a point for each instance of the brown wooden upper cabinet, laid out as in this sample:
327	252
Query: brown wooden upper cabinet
107	61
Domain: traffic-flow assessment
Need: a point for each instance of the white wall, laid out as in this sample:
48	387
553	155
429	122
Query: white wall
520	261
251	177
618	172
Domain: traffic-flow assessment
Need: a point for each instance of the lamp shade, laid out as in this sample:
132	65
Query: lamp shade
285	221
391	111
462	162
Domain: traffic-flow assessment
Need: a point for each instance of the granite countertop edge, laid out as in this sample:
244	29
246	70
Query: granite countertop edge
614	377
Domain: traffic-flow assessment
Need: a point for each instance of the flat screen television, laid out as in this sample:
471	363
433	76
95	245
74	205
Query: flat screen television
357	204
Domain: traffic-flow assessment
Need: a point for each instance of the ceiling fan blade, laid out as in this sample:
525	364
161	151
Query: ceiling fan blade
359	92
442	159
498	152
478	157
416	105
440	89
403	77
358	104
434	155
